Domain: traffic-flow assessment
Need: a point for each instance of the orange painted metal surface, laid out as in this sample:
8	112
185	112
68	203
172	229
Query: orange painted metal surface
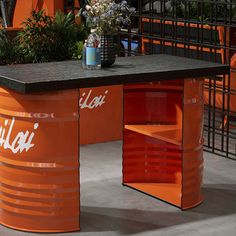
150	163
23	9
39	171
162	150
169	133
101	114
192	171
142	101
152	166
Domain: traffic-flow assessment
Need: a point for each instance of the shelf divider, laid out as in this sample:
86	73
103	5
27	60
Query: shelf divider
167	133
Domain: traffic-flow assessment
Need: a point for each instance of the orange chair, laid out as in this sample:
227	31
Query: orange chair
23	9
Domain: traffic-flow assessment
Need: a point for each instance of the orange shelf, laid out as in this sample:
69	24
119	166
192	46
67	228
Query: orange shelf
167	133
169	192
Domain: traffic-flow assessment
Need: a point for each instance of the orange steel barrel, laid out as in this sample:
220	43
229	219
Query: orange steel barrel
163	140
39	164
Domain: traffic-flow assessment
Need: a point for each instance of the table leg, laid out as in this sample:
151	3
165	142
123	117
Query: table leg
39	167
162	149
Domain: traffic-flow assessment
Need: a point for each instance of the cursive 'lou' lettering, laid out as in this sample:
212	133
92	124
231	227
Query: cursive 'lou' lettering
21	142
86	100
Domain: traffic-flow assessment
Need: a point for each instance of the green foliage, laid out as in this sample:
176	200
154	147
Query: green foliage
65	34
8	49
46	39
35	39
78	50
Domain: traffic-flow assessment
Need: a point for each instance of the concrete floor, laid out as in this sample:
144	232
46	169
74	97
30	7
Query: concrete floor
109	209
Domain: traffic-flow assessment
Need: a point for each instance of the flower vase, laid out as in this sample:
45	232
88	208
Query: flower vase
108	50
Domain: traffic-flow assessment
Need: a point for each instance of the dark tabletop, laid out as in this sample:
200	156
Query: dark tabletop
29	78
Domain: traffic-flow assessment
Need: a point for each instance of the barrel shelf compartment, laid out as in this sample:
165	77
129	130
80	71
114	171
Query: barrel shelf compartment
168	133
162	150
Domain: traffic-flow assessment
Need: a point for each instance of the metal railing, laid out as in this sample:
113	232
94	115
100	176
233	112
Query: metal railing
201	29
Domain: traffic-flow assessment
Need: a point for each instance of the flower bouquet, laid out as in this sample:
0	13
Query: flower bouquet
107	16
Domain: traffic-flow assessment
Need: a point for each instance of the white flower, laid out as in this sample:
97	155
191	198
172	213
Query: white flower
88	8
108	16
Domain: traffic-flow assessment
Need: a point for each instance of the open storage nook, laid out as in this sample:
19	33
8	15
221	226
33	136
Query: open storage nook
162	150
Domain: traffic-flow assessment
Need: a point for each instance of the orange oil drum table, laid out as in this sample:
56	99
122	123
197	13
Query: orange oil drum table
39	135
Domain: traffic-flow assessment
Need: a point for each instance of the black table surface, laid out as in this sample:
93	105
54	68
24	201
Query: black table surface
28	78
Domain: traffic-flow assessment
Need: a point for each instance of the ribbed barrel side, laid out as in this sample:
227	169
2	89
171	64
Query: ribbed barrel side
152	139
192	143
150	160
39	165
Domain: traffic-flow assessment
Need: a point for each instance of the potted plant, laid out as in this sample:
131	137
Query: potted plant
107	17
42	39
